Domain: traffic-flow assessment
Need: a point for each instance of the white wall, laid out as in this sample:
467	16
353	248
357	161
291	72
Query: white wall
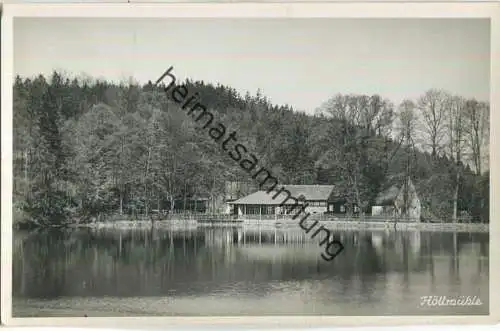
377	210
317	210
309	209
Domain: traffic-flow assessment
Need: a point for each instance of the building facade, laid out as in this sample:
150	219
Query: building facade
400	202
318	199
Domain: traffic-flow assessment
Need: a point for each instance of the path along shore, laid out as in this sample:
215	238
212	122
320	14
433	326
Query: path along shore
289	223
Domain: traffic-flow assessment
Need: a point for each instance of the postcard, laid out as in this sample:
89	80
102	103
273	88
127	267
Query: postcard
259	164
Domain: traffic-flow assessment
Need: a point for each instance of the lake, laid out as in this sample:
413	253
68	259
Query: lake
244	271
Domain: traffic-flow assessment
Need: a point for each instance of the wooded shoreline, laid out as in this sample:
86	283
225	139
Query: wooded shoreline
86	148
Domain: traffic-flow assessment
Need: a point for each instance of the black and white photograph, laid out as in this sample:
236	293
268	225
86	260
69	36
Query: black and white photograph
245	166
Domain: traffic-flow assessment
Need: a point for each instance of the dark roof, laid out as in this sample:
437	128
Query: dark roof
260	198
310	192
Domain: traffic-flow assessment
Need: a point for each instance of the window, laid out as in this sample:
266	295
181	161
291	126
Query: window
342	208
267	210
317	203
253	209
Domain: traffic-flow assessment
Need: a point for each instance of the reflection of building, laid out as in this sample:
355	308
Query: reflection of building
398	202
415	241
317	198
378	242
306	252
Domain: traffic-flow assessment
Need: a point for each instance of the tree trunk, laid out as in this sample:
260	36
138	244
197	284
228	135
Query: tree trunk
121	202
213	195
455	196
407	181
27	187
357	194
457	183
146	198
158	199
185	195
170	195
121	176
478	155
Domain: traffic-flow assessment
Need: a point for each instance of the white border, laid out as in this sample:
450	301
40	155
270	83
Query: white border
276	10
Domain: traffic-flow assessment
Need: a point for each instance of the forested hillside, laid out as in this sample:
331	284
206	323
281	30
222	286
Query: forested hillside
84	147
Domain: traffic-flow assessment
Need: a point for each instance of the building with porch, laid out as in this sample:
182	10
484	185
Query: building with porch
318	198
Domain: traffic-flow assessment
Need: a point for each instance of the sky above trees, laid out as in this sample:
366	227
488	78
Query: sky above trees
299	62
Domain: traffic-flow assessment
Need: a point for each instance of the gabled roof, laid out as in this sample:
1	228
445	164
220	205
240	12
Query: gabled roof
387	196
310	192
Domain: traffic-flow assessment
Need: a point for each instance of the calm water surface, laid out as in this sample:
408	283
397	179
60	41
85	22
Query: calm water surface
231	271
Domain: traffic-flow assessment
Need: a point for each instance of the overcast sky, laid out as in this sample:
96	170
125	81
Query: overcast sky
301	62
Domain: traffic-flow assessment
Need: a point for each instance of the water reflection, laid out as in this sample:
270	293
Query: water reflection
278	271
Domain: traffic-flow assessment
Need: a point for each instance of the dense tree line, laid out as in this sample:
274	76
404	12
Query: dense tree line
85	147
